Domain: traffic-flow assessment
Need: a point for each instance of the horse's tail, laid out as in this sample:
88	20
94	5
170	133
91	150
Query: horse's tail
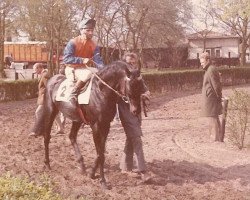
48	112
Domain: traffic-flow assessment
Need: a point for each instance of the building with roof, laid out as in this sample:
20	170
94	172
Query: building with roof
223	47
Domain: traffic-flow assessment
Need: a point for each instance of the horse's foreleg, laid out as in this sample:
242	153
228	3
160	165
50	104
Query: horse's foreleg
100	137
97	160
73	136
101	164
102	160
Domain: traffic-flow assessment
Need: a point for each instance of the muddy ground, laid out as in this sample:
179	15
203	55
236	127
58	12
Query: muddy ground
181	156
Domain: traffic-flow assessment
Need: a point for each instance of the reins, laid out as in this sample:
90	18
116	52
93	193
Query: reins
124	98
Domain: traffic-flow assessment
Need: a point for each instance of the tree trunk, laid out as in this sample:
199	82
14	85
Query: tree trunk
2	33
51	46
243	53
58	52
204	44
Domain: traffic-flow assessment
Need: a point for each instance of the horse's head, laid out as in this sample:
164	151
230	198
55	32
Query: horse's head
133	89
126	82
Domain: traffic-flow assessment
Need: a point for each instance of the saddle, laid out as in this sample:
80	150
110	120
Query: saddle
64	91
67	86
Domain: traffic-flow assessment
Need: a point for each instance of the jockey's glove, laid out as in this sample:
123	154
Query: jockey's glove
85	60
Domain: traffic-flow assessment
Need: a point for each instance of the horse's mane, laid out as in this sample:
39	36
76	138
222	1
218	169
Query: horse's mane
115	69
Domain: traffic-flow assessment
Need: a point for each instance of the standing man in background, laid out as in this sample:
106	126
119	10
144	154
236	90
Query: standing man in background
211	96
78	54
39	69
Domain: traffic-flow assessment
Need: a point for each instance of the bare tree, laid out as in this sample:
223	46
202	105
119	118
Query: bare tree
108	16
51	21
6	8
203	21
123	24
235	15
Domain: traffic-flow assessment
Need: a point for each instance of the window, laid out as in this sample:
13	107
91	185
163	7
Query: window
247	56
209	51
217	53
198	55
229	54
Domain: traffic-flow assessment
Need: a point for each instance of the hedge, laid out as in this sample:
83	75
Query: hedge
157	82
18	90
192	79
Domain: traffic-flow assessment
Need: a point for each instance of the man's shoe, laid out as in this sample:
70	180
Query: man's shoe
145	177
131	173
33	134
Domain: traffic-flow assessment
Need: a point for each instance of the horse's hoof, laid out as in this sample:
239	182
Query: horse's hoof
105	186
90	174
83	172
47	166
60	133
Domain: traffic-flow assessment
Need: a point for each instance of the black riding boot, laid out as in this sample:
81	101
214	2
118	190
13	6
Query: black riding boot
74	93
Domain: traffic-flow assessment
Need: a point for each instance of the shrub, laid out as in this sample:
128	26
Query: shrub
238	117
13	188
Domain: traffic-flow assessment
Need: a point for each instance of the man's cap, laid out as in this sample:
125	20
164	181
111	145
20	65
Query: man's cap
87	24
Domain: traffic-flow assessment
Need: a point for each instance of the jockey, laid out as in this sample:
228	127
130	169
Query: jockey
79	53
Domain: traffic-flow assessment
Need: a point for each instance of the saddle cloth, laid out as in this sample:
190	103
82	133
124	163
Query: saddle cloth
67	86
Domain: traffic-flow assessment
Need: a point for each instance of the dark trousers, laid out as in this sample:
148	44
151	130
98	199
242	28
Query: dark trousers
133	144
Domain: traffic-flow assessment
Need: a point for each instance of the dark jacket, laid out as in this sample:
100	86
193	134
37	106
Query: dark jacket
211	93
42	86
131	122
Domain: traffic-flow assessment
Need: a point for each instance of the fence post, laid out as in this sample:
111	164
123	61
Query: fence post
16	75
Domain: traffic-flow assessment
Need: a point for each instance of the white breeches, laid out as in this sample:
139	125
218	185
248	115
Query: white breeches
82	74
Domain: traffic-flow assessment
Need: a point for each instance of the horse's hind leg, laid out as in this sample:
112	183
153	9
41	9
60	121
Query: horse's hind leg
50	117
73	136
46	144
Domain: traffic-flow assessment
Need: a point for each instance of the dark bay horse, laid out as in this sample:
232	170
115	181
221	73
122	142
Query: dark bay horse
100	111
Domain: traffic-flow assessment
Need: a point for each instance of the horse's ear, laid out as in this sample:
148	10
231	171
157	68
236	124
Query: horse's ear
138	73
139	77
128	72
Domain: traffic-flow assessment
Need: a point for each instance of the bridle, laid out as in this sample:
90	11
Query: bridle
124	97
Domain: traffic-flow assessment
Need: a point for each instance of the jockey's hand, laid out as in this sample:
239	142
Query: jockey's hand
85	60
